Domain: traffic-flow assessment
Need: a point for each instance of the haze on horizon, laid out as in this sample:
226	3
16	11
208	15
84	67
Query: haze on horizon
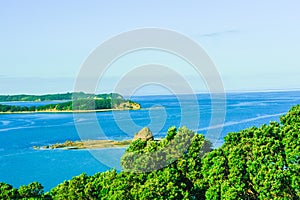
255	45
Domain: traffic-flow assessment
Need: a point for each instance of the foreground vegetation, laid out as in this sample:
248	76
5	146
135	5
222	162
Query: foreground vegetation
76	102
255	163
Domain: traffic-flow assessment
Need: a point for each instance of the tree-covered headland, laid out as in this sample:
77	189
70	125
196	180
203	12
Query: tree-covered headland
255	163
73	102
54	97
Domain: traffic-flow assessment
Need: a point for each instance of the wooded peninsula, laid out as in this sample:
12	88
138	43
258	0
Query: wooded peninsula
72	102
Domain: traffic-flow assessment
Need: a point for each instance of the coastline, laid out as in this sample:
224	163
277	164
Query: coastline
86	144
66	111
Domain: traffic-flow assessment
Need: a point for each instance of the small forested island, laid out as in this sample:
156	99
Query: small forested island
255	163
73	102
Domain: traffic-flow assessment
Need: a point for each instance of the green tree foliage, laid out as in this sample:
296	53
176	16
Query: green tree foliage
64	96
151	155
76	104
171	133
8	192
255	163
32	191
73	189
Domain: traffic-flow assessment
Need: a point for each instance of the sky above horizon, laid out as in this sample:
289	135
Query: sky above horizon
254	45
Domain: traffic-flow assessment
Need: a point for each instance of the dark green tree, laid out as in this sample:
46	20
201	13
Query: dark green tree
8	192
33	190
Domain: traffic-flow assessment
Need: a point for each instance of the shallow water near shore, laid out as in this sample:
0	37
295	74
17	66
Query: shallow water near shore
20	164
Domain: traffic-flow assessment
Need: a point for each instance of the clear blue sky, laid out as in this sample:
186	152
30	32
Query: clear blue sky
255	45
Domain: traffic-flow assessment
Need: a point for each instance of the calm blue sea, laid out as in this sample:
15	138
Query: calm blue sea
20	164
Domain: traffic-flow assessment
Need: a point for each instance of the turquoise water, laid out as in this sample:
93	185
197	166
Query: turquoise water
20	164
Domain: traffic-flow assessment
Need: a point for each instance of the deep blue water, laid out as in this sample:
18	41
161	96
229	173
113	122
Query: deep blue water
20	164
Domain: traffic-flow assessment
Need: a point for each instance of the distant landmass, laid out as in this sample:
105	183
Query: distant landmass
74	102
56	97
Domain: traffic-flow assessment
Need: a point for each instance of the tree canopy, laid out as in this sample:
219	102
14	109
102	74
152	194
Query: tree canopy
63	96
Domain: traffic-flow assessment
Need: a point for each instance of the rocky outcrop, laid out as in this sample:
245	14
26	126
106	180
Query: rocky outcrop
128	105
144	134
